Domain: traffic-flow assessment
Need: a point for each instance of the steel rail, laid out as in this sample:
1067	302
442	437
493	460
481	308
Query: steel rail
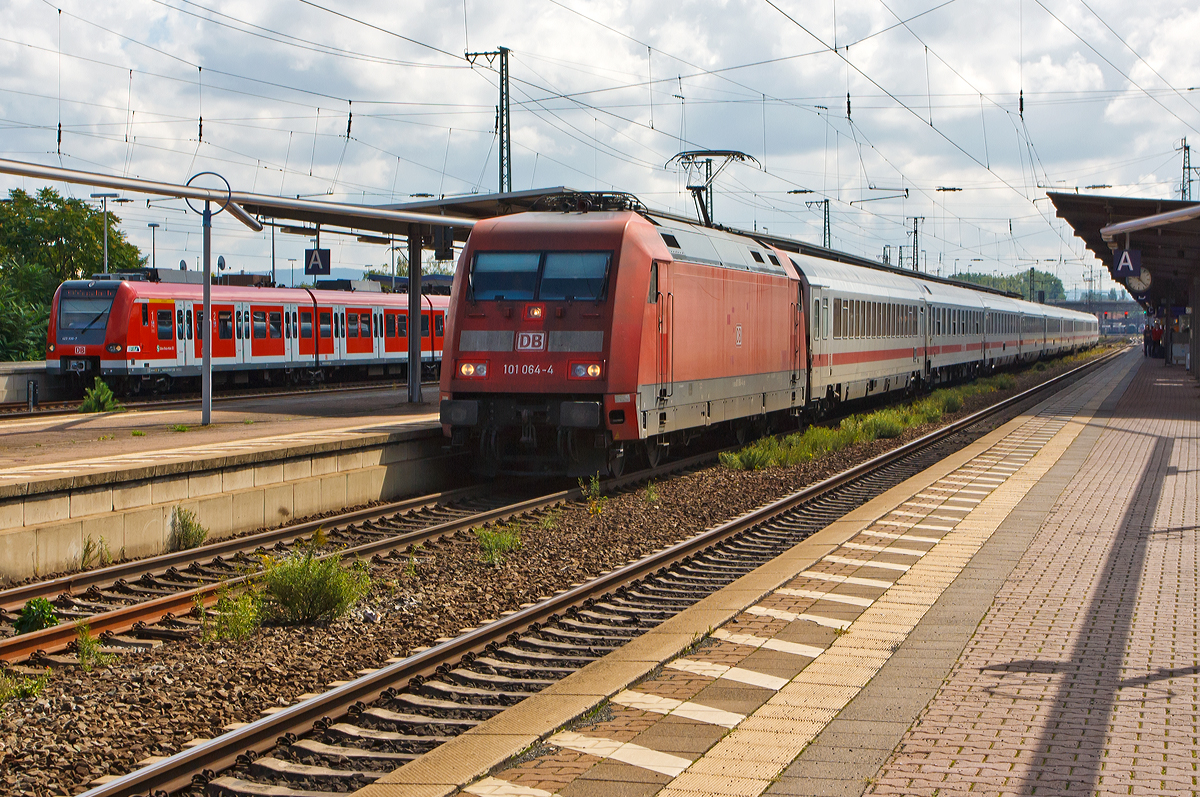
59	637
14	598
221	753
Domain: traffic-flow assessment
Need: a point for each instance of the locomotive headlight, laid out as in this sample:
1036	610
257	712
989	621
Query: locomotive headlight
535	312
473	370
585	371
51	347
113	348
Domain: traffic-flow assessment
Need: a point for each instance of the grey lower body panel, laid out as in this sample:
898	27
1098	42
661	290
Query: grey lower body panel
699	403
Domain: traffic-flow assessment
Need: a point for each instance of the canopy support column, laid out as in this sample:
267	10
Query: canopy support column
414	314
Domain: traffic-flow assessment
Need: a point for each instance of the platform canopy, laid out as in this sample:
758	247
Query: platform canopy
1165	231
472	207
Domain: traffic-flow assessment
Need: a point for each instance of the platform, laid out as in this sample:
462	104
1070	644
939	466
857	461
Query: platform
263	461
1019	619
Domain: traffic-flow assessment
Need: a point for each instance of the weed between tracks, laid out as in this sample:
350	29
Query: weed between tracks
88	650
818	441
14	688
495	543
300	588
234	617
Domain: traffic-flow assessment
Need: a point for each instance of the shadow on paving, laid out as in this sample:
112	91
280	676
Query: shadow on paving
1071	747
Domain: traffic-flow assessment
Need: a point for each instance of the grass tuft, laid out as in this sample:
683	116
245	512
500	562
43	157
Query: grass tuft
14	688
233	617
87	649
495	543
819	441
186	531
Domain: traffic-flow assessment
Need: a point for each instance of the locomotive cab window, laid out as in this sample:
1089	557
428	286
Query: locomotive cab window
540	275
225	324
574	275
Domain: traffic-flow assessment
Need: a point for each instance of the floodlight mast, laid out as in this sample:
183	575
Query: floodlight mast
700	174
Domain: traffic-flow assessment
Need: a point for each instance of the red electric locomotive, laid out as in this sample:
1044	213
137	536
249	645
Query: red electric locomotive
580	335
577	339
142	335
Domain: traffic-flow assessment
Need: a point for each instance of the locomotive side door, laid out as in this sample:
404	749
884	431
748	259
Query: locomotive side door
665	351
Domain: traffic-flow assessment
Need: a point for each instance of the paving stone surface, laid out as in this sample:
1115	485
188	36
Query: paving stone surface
1083	678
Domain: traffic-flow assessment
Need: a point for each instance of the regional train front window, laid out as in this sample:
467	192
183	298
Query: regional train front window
555	276
80	315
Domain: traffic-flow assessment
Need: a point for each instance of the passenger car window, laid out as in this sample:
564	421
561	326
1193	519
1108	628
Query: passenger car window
352	326
391	326
225	324
260	324
306	325
439	325
364	323
325	330
276	326
166	329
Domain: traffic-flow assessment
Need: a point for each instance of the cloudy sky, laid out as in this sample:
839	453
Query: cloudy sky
374	102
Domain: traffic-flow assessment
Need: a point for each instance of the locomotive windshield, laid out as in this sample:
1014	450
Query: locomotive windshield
83	313
540	275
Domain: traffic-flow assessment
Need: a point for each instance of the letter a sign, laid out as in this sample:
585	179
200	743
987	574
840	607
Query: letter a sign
1128	262
316	262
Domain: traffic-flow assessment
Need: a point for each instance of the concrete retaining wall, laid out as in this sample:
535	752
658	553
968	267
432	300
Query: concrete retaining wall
14	376
44	527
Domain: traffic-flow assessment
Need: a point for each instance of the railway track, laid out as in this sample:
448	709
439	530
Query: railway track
355	733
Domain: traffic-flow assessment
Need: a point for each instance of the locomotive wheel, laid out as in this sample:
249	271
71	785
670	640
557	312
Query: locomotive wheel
616	459
656	452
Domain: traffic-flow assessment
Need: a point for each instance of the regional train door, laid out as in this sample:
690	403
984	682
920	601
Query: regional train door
665	305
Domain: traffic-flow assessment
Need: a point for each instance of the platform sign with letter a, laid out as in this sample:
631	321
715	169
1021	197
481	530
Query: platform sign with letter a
1127	263
316	262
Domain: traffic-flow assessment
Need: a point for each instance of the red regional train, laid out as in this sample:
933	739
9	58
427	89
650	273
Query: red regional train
578	338
142	336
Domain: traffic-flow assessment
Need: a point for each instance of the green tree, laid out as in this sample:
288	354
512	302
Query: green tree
25	294
45	240
65	237
1019	283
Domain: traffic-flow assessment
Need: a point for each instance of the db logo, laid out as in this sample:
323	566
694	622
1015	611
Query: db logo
81	350
531	341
